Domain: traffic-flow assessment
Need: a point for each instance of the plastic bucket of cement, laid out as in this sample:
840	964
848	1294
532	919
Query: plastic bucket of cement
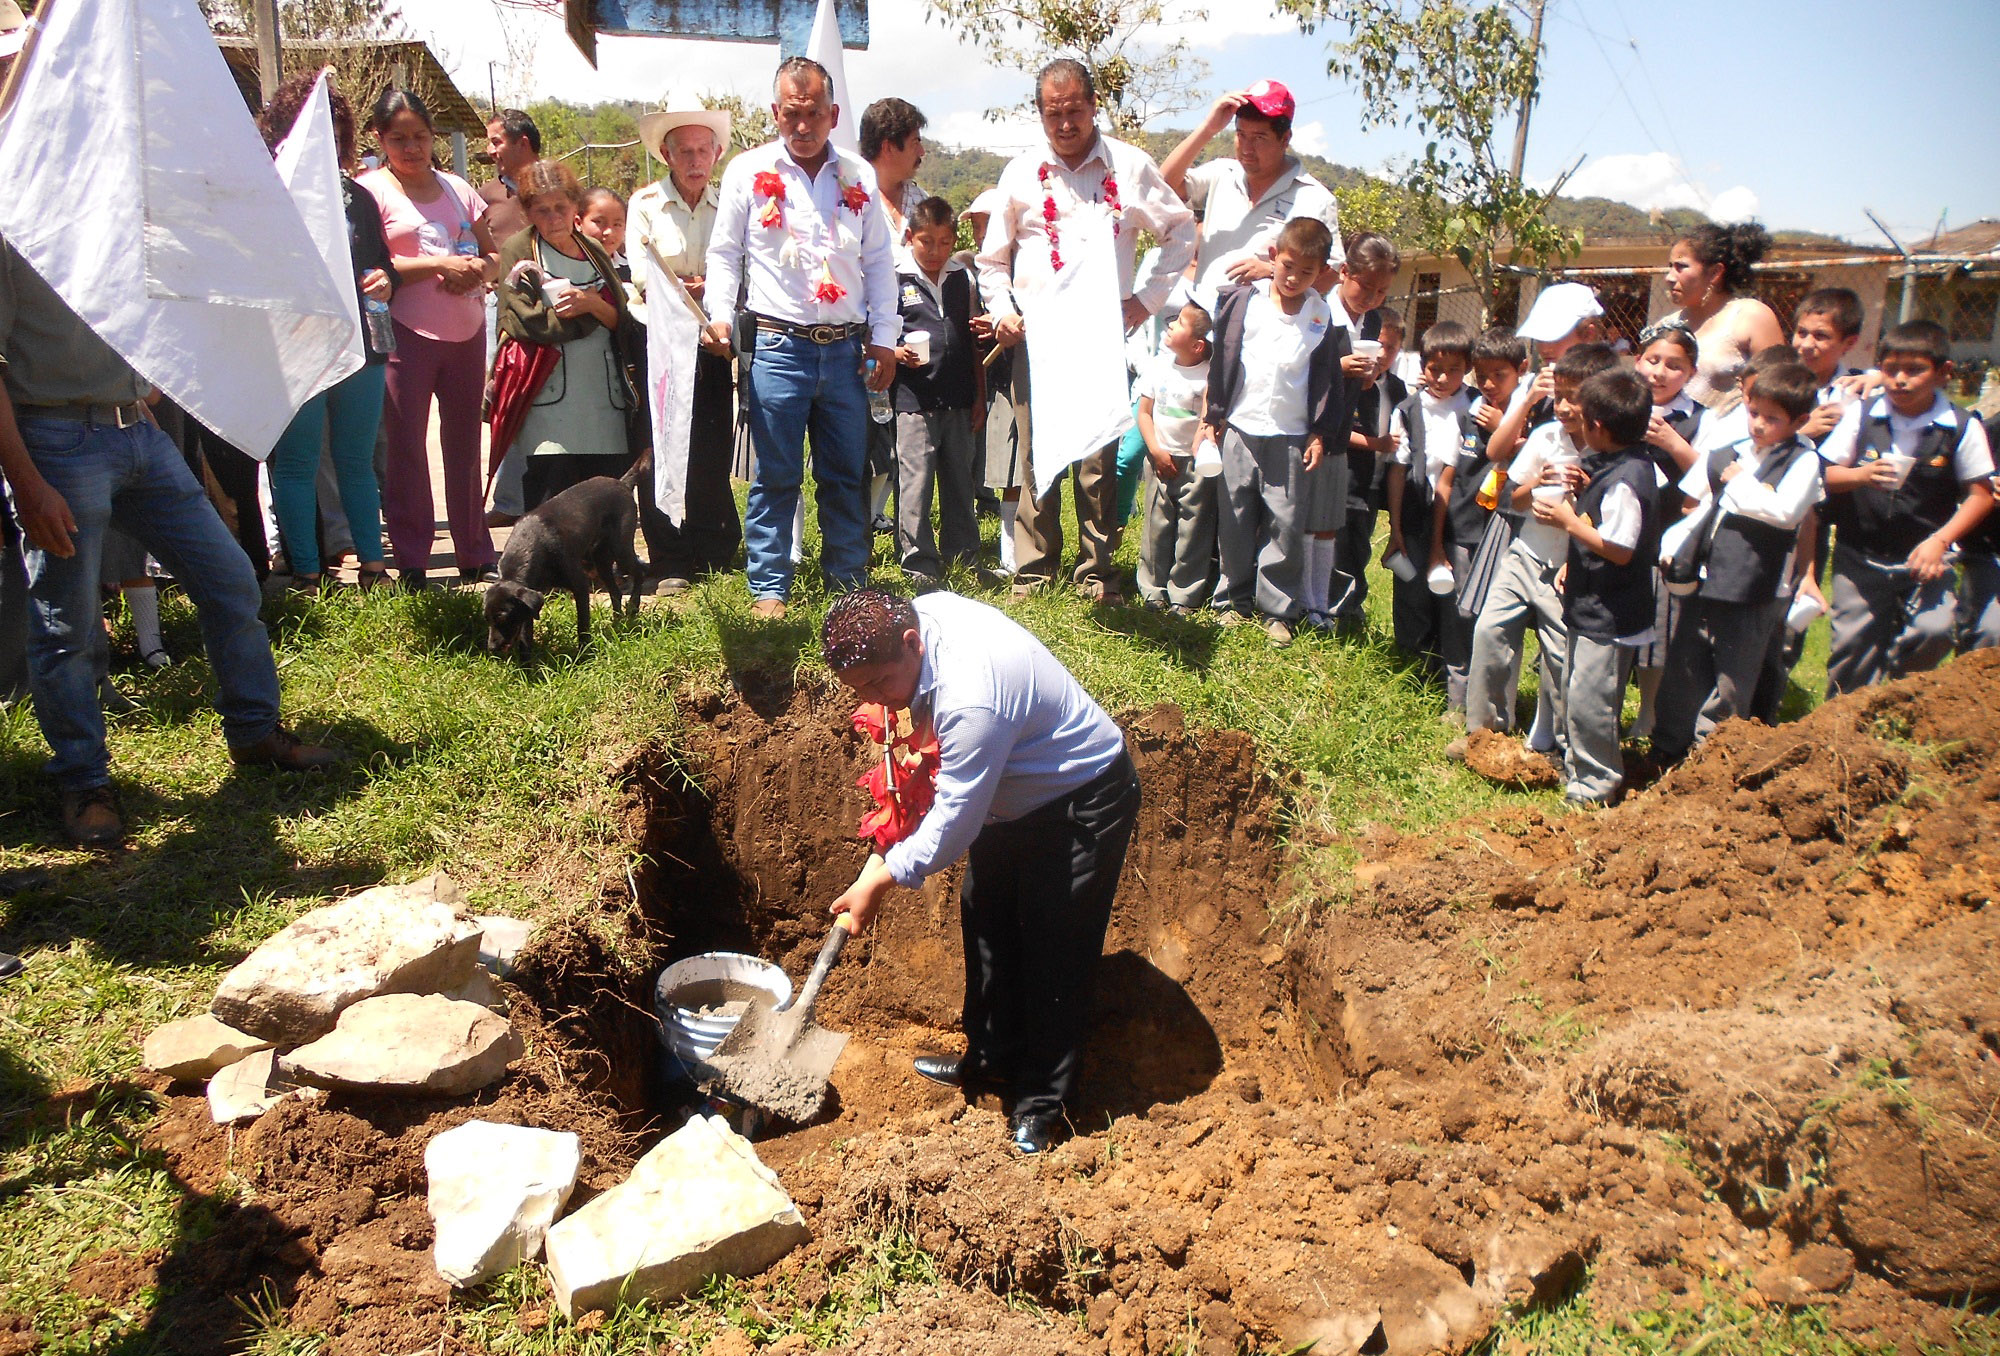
699	1000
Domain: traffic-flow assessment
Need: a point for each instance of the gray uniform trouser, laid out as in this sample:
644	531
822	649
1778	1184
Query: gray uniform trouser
1263	551
935	448
1886	623
1523	590
1177	541
1714	662
1979	602
1592	704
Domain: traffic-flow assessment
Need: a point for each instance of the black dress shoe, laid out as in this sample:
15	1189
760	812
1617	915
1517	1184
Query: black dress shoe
1035	1134
941	1069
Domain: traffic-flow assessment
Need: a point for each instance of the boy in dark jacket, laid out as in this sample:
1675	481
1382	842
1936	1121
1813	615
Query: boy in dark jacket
937	388
1763	488
1277	404
1614	538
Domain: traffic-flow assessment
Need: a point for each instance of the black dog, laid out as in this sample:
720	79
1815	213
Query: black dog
584	531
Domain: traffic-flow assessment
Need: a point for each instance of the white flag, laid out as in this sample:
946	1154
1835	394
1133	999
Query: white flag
673	346
138	188
1078	400
308	161
824	47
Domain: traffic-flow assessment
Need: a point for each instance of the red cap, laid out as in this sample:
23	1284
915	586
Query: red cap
1272	99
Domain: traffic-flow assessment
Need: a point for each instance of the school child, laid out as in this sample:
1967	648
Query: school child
1825	329
1979	577
1910	477
1370	448
935	392
1177	545
1667	359
1336	569
1757	494
1276	403
1612	523
1430	427
1524	590
1469	488
1563	316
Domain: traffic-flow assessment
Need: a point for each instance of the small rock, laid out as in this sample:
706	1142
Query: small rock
242	1091
199	1047
409	1043
501	941
1776	1285
391	939
731	1342
494	1191
480	989
699	1205
1526	1262
1824	1267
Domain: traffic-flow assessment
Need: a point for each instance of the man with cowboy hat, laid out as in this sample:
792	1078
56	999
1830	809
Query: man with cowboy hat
674	218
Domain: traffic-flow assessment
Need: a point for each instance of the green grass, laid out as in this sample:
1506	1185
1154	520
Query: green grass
508	778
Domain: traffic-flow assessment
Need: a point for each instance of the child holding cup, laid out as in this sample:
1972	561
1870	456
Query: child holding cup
936	399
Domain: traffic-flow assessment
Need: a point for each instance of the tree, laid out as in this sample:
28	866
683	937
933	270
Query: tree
1136	83
315	19
1454	70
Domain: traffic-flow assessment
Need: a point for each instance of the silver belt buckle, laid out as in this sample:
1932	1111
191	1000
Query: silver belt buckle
128	416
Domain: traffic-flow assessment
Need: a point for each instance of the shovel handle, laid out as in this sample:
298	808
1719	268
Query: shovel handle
829	952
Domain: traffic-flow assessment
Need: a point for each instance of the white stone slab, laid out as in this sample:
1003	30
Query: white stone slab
494	1191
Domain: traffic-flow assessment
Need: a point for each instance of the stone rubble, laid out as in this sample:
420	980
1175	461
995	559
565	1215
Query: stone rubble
412	1044
243	1091
393	939
700	1204
502	940
197	1048
494	1191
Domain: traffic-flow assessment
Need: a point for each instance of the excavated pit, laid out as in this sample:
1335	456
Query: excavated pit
1742	1028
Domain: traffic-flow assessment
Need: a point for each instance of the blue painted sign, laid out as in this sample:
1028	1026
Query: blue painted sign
785	22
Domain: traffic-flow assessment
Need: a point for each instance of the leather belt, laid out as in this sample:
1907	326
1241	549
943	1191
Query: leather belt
812	334
115	416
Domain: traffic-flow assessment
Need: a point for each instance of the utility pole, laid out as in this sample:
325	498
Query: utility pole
270	66
1534	81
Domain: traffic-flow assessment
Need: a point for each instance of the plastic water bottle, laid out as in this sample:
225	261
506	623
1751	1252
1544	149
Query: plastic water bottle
375	319
880	408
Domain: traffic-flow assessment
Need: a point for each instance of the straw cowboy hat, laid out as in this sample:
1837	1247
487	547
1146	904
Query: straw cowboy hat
653	128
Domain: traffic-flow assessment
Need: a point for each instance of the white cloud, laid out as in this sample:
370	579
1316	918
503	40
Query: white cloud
1309	138
1656	181
971	127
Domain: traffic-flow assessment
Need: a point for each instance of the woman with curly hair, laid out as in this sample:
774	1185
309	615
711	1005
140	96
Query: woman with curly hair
1709	277
346	416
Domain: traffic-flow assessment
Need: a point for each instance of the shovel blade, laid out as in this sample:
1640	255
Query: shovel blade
779	1062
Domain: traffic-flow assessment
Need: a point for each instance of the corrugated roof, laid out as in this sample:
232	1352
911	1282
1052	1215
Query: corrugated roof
364	68
1981	237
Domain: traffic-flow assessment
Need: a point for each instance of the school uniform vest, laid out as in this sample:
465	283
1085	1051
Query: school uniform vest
1601	600
1889	524
1747	559
947	381
1687	423
1364	474
1412	410
1465	520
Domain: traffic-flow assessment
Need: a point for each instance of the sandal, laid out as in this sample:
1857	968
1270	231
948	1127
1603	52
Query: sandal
371	575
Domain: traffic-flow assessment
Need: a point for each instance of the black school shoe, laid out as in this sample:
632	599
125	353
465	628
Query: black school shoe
1036	1134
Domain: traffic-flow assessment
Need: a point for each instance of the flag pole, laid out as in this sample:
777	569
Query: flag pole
22	57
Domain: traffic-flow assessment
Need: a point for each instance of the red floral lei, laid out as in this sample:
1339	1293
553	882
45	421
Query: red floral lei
1049	213
904	782
770	186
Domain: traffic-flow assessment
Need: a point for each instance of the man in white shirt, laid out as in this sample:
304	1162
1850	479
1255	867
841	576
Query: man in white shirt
1036	791
799	227
673	221
1080	171
1245	200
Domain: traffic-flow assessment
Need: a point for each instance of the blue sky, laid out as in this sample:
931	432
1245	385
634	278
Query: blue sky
1751	107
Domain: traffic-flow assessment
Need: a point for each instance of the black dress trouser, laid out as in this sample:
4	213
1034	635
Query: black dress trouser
1035	906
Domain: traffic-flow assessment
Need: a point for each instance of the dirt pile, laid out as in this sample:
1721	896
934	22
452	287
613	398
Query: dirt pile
1743	1025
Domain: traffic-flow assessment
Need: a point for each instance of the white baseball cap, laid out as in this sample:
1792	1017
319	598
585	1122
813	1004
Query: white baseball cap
1558	309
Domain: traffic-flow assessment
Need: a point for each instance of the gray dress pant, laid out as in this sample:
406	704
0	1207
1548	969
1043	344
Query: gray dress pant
935	450
1592	704
1714	662
1263	551
1523	591
1177	546
1886	623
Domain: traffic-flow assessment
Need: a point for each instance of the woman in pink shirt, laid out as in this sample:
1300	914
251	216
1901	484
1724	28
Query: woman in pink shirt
444	257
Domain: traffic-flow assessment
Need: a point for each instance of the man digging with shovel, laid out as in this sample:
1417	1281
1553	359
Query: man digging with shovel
1036	791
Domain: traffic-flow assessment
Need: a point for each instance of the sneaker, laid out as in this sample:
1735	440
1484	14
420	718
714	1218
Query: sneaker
672	585
90	817
1280	632
285	751
1456	750
1180	610
883	524
768	609
1229	617
469	575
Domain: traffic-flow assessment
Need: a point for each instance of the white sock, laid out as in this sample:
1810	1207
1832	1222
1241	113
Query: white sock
145	607
799	530
1009	510
1542	734
878	496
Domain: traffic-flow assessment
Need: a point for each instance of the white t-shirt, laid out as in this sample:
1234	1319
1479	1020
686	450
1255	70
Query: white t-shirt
1441	433
1178	393
1972	461
1548	445
1783	505
1233	227
1277	350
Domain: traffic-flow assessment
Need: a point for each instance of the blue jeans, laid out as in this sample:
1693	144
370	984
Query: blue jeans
134	477
347	416
796	388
